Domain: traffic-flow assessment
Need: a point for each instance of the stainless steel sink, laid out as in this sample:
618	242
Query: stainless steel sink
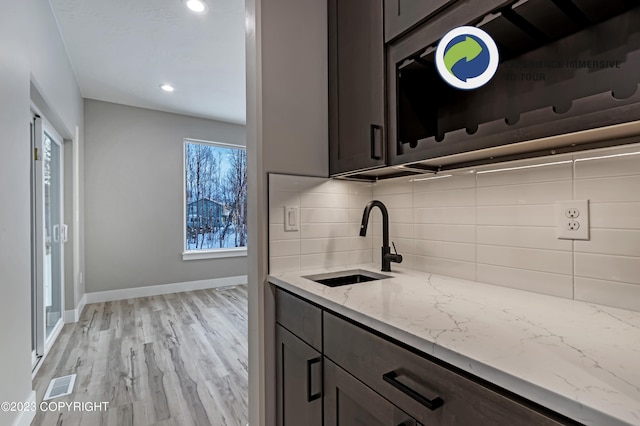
352	276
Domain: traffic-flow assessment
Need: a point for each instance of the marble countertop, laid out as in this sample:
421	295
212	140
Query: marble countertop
579	359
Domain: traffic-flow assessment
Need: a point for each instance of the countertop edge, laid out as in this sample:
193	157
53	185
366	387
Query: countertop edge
537	394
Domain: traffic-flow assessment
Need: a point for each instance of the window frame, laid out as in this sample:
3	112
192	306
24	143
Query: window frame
217	253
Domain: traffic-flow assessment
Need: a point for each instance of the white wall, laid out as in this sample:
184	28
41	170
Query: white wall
134	188
286	133
31	51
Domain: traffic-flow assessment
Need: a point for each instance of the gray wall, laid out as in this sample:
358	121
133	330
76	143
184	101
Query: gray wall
287	132
31	50
134	190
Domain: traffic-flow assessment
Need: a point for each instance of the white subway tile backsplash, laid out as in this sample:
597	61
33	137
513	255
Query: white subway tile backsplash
450	198
324	230
276	215
613	189
360	243
408	260
279	265
358	201
403	245
625	242
497	228
398	230
525	237
323	260
360	256
539	282
558	262
333	186
452	268
609	163
453	233
528	171
398	201
401	215
446	250
624	269
446	215
323	200
615	215
279	199
393	186
532	193
357	189
354	230
320	215
529	215
355	215
444	181
277	232
626	296
293	183
323	245
330	215
282	248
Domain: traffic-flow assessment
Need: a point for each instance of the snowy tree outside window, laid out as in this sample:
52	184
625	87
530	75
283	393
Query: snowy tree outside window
215	196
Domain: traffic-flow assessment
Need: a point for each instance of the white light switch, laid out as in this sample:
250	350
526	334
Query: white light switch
291	218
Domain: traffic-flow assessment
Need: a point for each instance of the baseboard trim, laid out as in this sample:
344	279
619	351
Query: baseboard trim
74	314
26	417
156	290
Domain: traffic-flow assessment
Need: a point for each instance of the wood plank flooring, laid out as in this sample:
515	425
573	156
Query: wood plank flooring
173	360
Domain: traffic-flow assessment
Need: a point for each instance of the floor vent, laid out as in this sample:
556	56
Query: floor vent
60	386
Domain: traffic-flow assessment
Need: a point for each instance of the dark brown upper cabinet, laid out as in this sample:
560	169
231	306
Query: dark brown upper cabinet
401	15
565	67
357	133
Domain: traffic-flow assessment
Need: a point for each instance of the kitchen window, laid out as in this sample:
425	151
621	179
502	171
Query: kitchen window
215	200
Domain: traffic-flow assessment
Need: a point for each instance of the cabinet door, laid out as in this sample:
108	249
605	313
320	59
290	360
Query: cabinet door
348	402
299	381
356	85
400	15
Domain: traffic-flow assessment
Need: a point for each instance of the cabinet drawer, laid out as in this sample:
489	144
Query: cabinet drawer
412	382
299	317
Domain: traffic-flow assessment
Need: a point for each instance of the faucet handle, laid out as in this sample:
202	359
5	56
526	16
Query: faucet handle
397	258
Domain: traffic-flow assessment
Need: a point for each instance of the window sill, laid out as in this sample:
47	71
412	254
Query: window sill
214	254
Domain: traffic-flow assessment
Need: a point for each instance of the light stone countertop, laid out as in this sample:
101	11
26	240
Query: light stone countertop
579	359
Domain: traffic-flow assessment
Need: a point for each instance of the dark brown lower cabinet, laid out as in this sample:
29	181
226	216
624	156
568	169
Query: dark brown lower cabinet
428	391
352	376
347	402
299	381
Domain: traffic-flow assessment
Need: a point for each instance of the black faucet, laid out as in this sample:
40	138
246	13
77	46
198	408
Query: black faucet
387	257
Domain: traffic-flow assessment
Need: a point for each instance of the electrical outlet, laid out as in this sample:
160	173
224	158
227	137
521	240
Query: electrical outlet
572	212
572	220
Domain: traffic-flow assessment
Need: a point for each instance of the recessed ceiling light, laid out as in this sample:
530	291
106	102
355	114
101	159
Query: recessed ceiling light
197	6
167	87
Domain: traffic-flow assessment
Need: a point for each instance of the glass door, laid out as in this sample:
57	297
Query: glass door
48	236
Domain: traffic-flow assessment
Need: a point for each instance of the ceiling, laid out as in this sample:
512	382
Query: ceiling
123	50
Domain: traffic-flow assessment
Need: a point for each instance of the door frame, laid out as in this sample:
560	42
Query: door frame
43	344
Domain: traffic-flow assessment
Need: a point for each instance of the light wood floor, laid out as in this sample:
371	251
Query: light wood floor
178	359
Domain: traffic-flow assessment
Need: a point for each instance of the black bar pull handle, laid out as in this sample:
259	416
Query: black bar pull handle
432	404
375	136
310	396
